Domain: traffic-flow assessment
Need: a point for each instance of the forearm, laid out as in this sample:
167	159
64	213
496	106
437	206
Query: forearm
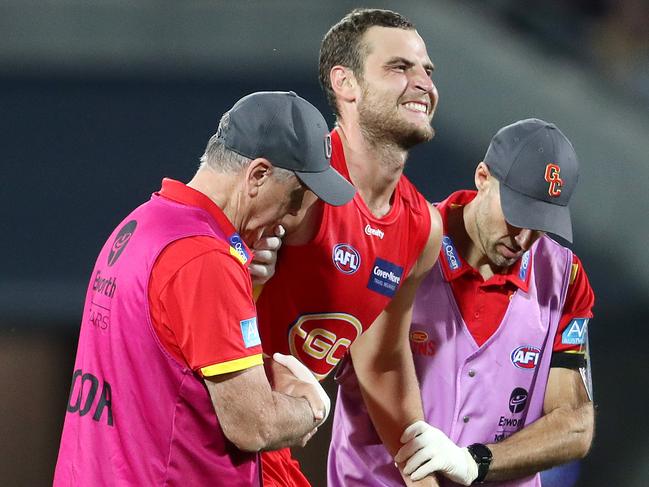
562	435
254	417
393	401
293	419
391	393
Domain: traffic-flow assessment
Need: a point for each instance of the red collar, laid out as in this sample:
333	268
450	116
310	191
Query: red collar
183	194
454	266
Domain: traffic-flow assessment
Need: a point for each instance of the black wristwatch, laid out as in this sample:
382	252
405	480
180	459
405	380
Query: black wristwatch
482	456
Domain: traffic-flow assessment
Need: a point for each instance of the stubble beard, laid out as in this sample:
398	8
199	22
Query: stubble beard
381	124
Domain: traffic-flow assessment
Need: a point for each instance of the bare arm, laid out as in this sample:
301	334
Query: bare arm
564	433
383	359
253	416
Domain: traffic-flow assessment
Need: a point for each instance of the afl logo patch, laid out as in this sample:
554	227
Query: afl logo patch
120	242
346	258
526	357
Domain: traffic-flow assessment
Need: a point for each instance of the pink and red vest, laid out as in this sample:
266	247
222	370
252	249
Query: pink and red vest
136	416
473	394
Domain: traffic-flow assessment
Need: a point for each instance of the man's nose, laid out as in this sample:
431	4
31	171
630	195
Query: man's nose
525	238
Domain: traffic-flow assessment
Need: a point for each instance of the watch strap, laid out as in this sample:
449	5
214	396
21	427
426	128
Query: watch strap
482	456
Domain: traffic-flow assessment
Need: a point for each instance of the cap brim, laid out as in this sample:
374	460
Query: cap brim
525	212
328	185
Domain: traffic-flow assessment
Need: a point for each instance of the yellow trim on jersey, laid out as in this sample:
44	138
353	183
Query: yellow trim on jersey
232	365
256	291
581	351
241	258
573	273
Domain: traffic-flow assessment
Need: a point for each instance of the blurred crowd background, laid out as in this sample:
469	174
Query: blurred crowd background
101	99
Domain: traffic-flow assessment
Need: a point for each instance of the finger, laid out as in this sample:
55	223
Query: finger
415	429
267	243
426	469
280	231
265	256
290	362
408	450
420	457
259	270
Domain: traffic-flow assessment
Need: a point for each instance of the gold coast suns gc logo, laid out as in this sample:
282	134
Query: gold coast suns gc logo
320	340
552	176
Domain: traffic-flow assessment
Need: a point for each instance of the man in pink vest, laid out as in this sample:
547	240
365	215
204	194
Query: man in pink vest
499	333
168	385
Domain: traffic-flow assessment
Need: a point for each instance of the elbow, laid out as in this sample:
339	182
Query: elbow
588	429
584	432
247	438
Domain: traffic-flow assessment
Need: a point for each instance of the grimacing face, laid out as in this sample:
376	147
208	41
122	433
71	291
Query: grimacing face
502	243
397	96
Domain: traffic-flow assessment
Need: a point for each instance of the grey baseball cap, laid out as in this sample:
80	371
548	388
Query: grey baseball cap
538	170
292	134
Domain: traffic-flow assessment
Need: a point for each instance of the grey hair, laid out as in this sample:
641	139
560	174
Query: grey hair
220	158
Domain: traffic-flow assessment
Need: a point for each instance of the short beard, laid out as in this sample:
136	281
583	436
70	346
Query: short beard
381	125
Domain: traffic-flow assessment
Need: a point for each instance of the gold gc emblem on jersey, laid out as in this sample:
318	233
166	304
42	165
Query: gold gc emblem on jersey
320	340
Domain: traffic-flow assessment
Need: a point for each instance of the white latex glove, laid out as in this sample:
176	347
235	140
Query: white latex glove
262	266
300	371
429	450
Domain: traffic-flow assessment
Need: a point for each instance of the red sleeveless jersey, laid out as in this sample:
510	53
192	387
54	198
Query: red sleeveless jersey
326	293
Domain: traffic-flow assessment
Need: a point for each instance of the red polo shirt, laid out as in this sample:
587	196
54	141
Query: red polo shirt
200	296
483	303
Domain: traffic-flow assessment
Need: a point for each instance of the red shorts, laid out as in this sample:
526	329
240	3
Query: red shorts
280	469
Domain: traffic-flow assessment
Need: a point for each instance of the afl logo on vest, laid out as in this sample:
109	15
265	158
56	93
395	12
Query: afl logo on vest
526	357
120	242
320	340
346	258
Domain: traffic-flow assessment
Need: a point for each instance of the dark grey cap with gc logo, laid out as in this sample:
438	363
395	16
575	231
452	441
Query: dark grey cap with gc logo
292	134
538	170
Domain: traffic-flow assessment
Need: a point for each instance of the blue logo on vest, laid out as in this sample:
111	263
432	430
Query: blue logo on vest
576	332
238	249
450	253
385	277
250	332
525	264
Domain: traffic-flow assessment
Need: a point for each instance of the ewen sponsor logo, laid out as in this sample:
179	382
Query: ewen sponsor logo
518	400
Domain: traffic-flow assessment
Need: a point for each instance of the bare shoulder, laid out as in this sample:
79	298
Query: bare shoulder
429	255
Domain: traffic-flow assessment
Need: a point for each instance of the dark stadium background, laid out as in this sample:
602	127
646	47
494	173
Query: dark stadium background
100	100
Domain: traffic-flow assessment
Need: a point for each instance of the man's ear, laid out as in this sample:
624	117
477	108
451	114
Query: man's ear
482	177
257	174
343	83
